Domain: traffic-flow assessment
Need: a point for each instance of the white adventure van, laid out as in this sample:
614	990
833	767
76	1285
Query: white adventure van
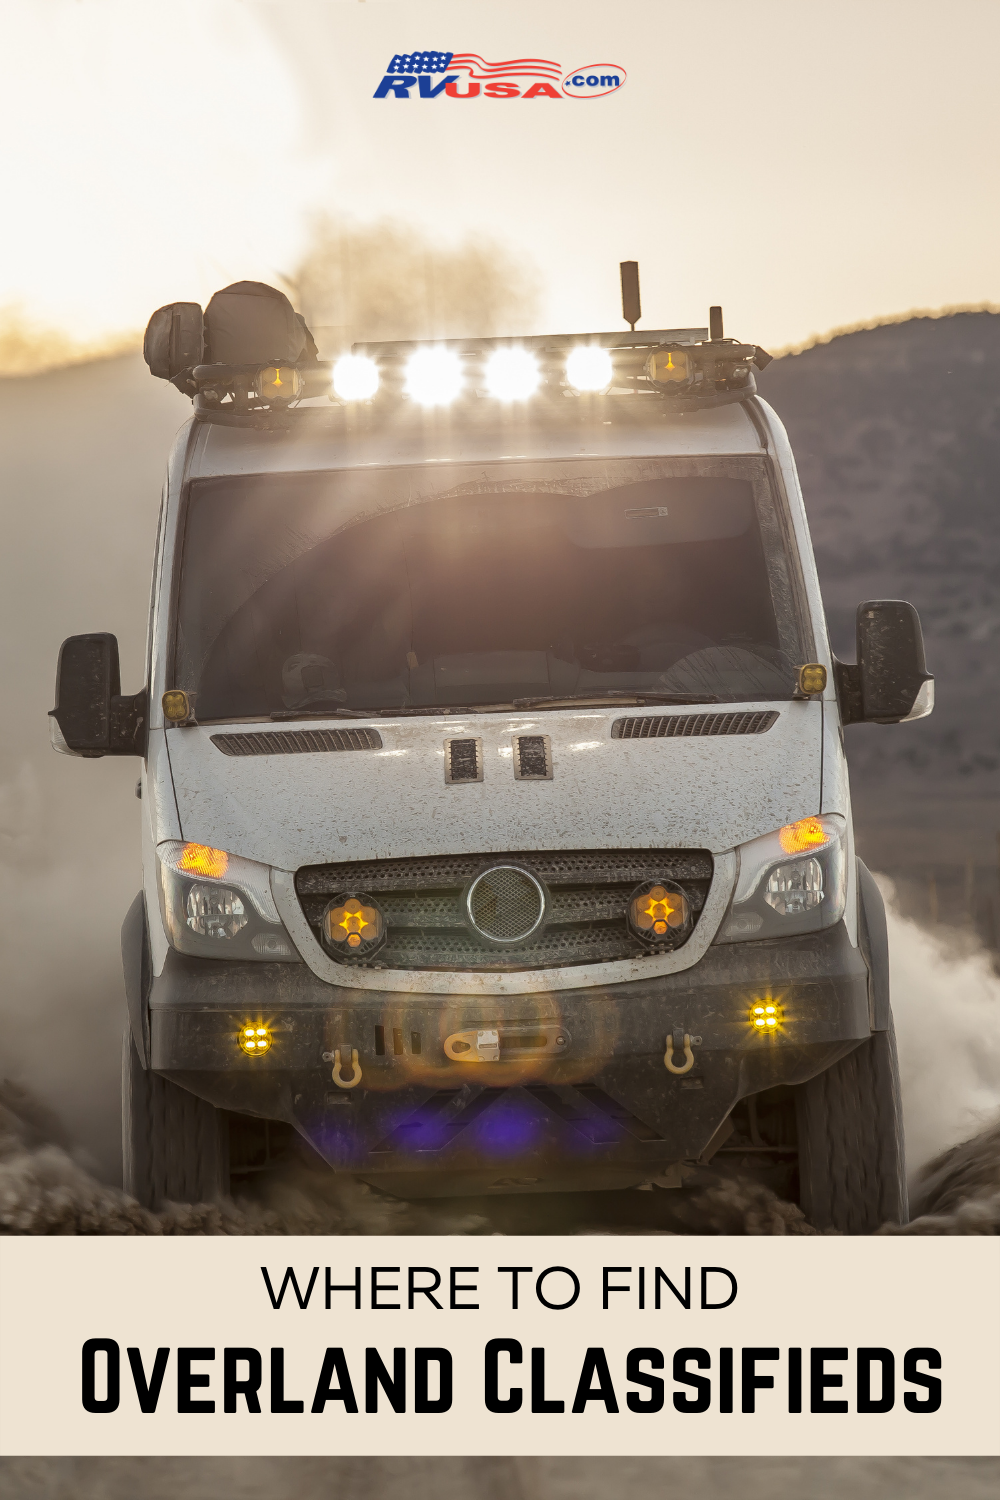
495	813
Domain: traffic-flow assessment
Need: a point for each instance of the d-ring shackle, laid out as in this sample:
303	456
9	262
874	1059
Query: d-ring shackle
668	1062
340	1059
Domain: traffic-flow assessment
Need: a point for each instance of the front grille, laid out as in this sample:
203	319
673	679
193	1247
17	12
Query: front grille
687	726
423	904
505	904
298	741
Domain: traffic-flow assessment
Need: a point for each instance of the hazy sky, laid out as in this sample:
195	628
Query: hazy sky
805	164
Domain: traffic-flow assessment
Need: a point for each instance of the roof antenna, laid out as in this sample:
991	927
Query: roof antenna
715	323
631	306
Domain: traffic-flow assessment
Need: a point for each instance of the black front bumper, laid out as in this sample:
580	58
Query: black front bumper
604	1112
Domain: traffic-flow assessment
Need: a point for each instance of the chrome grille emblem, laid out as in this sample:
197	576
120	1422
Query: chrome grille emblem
505	904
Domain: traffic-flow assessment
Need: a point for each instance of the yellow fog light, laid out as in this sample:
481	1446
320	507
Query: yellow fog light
352	927
659	914
279	383
812	679
255	1039
765	1015
177	706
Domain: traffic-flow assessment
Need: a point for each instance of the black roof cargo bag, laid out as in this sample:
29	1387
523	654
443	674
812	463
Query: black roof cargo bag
250	323
174	341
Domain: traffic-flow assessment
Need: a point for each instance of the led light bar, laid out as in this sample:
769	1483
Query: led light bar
355	378
512	374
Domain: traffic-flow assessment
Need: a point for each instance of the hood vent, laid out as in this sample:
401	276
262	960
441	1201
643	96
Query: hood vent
298	741
532	757
463	761
691	726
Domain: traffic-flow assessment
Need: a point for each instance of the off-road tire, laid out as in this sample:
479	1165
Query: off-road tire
174	1145
852	1167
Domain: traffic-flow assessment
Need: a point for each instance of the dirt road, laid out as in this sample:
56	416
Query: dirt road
500	1478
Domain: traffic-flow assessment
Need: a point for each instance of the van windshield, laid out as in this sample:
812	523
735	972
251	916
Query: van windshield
473	586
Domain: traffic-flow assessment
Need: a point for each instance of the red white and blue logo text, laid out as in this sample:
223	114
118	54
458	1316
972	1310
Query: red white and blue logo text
466	75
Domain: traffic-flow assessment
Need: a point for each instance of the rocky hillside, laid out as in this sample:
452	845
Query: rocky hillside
897	435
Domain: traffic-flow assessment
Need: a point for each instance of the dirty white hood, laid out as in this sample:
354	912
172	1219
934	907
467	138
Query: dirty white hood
687	793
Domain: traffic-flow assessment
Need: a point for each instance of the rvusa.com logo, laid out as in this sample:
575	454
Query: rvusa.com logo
466	75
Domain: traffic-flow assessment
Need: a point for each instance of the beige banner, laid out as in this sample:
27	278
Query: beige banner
529	1345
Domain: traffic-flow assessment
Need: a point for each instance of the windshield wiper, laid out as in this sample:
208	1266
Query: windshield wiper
429	709
441	710
369	713
616	696
322	713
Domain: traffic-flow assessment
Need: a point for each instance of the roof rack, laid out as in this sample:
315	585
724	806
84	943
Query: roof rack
538	343
685	368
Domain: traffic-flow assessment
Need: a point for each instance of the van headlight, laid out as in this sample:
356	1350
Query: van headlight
790	881
218	905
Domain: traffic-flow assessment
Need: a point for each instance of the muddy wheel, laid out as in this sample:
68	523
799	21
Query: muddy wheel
852	1169
174	1145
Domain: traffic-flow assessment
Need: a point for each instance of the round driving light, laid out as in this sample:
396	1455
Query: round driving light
659	914
505	905
589	368
512	375
433	377
355	378
254	1039
352	927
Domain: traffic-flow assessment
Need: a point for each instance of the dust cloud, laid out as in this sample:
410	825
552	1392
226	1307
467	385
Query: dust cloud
361	283
83	449
503	1478
946	1004
951	1089
28	348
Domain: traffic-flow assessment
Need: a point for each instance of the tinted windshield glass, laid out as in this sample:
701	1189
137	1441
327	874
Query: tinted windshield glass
480	585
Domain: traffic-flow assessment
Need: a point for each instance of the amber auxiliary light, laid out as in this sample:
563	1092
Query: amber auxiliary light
352	927
255	1039
668	367
812	679
178	706
659	913
765	1015
279	383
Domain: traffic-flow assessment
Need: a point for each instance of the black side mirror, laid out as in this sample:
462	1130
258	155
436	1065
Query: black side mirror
91	717
890	682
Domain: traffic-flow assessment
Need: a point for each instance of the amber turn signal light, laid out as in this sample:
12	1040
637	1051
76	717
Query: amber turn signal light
806	834
199	859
